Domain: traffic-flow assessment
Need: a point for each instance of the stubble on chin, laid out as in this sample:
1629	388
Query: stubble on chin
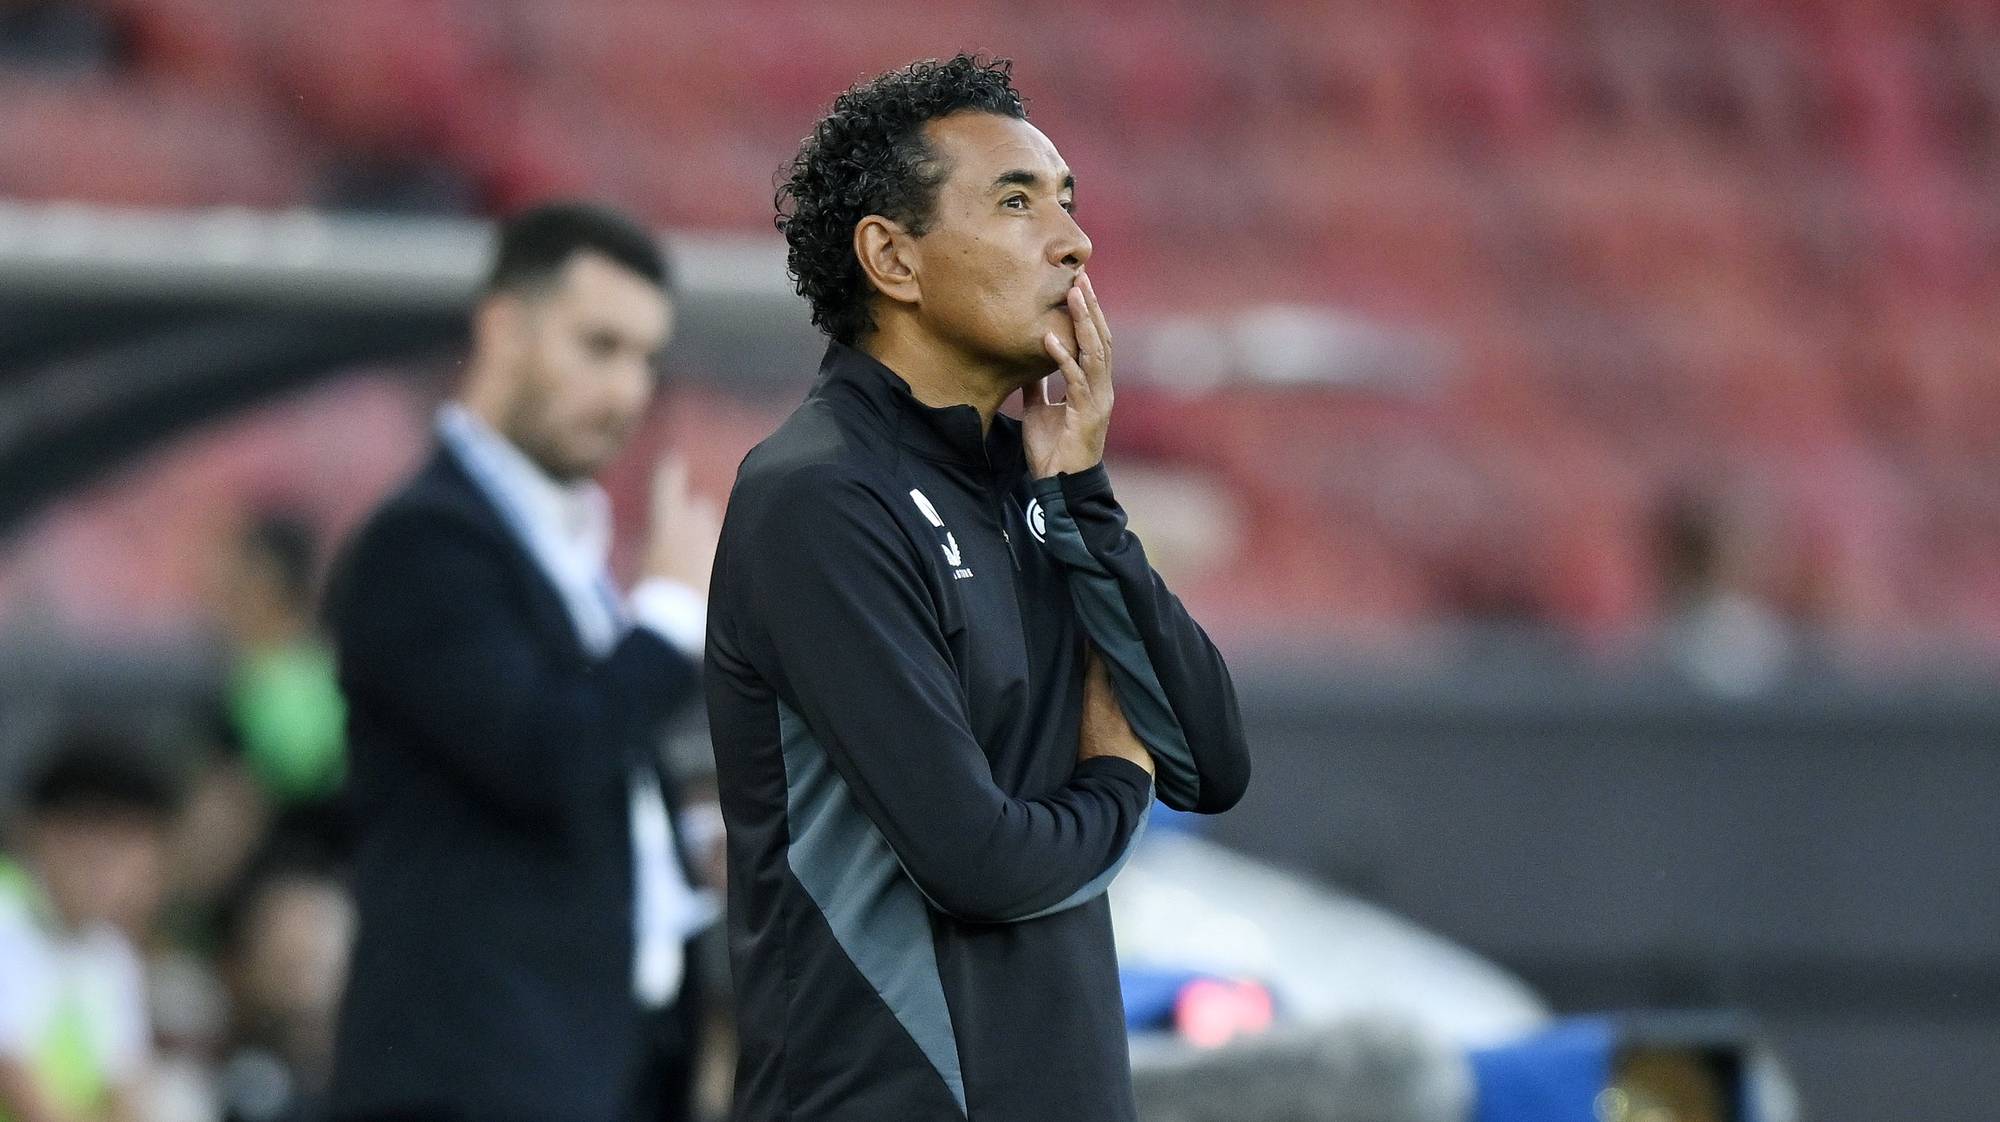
559	462
1029	368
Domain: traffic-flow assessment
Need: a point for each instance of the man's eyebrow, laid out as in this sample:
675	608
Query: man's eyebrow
1021	177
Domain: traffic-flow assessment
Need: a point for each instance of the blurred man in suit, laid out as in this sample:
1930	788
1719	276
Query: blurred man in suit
523	904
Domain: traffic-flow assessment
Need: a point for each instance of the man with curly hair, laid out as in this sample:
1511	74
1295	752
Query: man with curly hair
944	684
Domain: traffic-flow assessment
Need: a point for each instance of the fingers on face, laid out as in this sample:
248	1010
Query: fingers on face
1052	343
1093	343
1072	374
1096	310
1085	326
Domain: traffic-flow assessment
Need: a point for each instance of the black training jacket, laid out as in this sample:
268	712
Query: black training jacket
917	861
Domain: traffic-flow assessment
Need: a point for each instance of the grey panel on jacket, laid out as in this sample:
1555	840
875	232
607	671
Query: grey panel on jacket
875	911
1100	606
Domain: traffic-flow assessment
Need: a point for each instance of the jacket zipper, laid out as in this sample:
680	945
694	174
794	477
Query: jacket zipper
1000	513
1000	509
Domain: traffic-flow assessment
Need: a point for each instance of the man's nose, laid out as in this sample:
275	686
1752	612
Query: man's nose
1071	248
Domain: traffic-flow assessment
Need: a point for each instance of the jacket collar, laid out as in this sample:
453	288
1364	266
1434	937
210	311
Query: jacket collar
950	434
566	525
448	473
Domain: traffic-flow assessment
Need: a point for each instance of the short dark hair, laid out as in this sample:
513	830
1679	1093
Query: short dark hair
536	244
868	156
97	771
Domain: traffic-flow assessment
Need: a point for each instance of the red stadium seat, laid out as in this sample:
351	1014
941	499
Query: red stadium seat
1763	226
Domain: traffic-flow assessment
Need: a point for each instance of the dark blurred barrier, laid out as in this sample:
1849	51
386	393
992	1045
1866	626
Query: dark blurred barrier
1357	1071
1821	854
1639	1067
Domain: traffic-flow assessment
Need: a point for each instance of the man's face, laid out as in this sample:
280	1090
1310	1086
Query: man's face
582	357
100	866
1002	248
291	962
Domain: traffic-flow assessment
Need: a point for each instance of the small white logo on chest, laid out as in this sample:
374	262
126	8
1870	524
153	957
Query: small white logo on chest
952	556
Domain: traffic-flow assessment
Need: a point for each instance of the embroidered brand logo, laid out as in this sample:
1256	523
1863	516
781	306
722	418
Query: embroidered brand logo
1038	524
952	556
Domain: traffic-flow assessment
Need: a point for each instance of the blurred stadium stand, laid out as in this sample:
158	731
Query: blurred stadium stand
1740	250
1621	379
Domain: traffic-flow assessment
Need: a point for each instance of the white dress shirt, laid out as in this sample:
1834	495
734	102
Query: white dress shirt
567	529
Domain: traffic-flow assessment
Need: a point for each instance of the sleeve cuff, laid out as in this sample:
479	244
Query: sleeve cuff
674	612
1113	767
1075	486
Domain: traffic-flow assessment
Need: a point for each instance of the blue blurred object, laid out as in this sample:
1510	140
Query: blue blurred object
1165	819
1553	1076
1150	996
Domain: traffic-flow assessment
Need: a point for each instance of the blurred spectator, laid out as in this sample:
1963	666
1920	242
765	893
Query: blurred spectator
80	888
286	941
284	704
1718	626
281	717
57	35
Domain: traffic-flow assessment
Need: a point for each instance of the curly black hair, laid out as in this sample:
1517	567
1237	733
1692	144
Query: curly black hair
868	156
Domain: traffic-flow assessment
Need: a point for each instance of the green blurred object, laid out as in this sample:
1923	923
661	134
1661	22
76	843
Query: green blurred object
63	1059
289	713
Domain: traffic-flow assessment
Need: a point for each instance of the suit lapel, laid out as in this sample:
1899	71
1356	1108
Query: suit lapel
548	614
550	617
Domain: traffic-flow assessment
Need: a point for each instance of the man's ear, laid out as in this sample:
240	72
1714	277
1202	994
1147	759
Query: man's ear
502	326
889	258
496	323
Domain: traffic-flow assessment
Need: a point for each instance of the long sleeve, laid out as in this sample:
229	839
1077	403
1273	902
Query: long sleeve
862	659
1171	680
431	628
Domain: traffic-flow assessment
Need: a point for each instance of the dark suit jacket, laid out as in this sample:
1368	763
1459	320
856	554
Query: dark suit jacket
490	782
